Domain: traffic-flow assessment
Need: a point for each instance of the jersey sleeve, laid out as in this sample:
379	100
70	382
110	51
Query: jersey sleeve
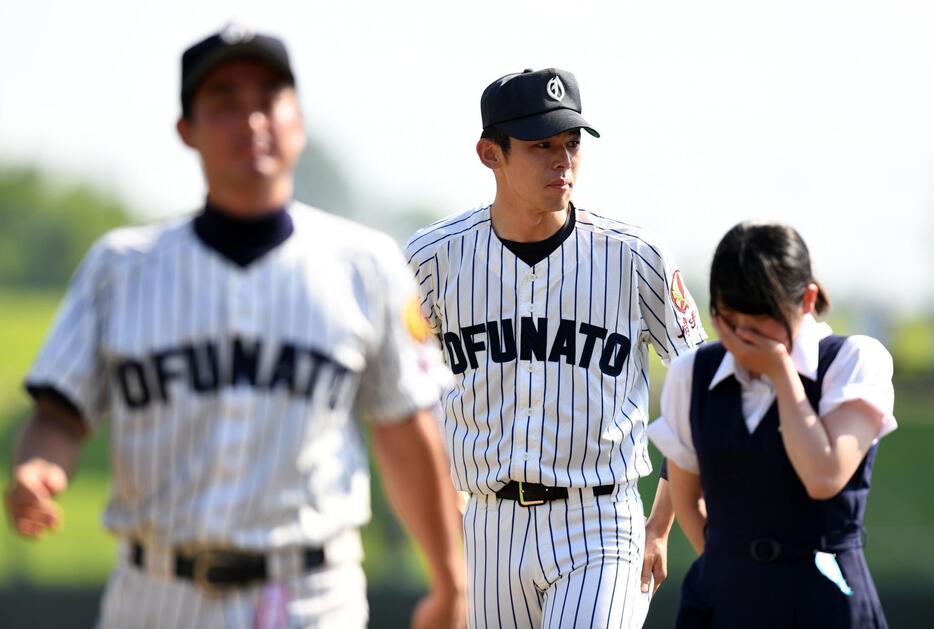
405	372
863	371
671	432
70	366
424	269
671	321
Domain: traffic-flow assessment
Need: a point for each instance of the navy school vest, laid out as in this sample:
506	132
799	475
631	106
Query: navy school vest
749	484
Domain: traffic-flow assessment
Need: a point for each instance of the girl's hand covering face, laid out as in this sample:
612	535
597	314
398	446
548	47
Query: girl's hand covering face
751	347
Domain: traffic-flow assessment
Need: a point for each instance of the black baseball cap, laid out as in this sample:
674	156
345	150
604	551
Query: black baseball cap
232	42
532	105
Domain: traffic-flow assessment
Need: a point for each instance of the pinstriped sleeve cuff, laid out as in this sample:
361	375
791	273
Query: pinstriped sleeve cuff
404	406
76	396
44	390
667	441
412	382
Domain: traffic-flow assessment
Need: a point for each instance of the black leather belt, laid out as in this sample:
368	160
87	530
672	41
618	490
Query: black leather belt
531	494
215	571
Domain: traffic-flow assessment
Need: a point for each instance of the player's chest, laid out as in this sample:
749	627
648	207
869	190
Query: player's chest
274	306
577	307
582	278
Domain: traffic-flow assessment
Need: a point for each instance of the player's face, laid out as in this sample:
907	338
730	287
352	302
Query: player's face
246	124
541	174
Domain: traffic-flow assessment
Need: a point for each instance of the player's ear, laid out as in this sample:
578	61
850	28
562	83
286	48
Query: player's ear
183	126
490	154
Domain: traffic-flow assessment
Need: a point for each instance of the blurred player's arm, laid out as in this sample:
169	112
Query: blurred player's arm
415	475
687	497
43	461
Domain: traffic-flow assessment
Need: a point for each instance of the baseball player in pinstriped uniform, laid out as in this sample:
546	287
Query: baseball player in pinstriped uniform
229	351
545	312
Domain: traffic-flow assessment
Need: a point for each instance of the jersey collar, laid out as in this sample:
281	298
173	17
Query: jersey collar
534	252
242	241
804	354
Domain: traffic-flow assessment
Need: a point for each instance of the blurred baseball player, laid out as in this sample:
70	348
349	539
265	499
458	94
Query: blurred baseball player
545	311
229	351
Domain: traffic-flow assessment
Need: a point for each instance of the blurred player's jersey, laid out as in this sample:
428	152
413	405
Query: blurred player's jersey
231	390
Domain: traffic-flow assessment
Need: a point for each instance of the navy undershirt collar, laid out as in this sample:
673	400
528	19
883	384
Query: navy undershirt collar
242	240
534	252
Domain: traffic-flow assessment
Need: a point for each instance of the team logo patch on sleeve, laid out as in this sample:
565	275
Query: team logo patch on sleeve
680	297
415	321
681	300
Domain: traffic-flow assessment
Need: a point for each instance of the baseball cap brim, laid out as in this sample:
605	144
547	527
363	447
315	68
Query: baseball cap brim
545	125
245	50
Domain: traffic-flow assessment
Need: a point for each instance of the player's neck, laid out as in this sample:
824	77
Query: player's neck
525	224
251	201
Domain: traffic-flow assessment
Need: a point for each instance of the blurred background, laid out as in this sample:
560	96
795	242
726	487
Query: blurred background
816	114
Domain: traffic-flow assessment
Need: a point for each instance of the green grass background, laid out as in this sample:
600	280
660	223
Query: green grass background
900	517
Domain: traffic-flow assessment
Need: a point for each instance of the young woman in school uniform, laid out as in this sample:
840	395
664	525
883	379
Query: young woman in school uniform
770	435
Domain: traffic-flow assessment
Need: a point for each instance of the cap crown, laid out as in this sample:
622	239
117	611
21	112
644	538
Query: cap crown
528	93
234	41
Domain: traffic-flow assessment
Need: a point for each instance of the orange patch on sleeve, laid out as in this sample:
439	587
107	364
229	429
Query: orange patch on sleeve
415	321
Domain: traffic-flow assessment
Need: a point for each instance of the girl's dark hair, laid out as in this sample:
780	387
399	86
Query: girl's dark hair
762	269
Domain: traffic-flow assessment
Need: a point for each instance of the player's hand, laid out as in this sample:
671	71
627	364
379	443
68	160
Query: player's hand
29	501
441	608
655	560
753	350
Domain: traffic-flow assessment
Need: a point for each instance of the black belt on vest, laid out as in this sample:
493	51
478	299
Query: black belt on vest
767	549
215	571
531	494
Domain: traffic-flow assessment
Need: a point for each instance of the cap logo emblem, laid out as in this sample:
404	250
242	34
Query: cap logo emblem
235	33
555	88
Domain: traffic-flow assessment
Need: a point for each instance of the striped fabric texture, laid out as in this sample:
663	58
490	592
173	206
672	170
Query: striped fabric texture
231	391
550	361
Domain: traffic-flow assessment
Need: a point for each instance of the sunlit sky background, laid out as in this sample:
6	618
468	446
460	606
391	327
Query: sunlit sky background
815	113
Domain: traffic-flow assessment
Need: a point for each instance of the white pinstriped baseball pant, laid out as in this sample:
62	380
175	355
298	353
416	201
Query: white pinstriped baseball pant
566	563
331	596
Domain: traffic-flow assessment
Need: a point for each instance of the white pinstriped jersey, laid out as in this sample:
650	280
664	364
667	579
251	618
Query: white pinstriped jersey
550	361
230	390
